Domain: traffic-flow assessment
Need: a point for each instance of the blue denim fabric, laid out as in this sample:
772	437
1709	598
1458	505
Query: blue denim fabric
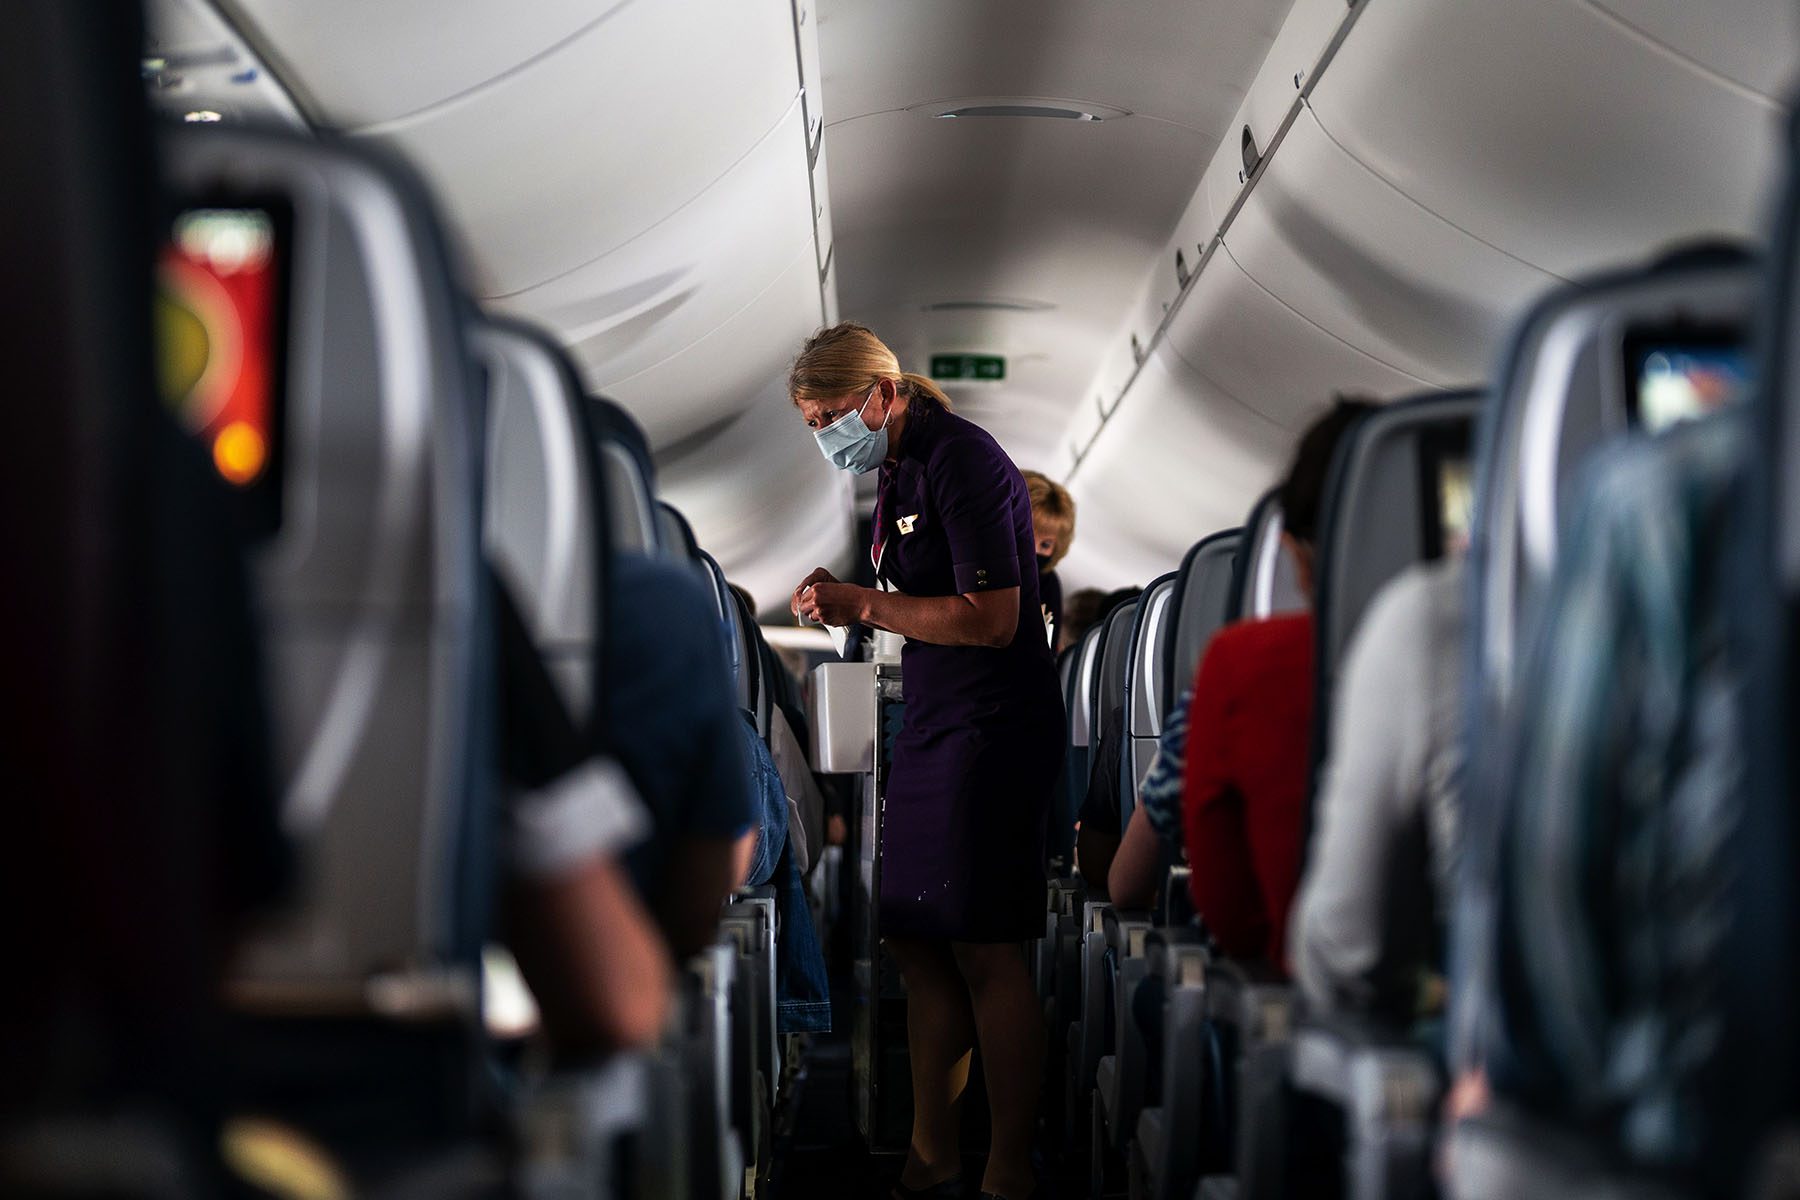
803	994
771	805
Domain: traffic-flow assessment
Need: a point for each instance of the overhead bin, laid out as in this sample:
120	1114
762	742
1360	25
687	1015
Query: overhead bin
1305	35
806	34
359	63
695	270
1350	253
570	156
707	382
1248	344
821	205
1179	458
1472	109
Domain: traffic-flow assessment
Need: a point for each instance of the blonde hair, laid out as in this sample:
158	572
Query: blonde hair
848	358
1053	508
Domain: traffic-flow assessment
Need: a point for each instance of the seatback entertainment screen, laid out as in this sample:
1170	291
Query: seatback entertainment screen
221	322
1680	378
1447	498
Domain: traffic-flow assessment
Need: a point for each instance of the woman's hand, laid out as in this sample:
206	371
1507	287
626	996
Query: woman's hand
834	603
819	575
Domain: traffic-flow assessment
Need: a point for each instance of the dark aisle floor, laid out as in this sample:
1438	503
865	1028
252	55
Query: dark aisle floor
824	1158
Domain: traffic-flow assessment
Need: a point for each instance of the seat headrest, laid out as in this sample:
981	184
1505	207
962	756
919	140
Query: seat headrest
1628	349
545	501
1401	491
1266	582
739	643
364	462
678	540
1201	603
1115	655
630	476
1145	668
1080	691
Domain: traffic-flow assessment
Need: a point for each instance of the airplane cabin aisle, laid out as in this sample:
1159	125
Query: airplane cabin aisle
594	589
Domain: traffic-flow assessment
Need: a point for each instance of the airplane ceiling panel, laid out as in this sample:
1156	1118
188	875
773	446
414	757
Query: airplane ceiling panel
880	56
699	388
576	153
1548	129
680	280
1750	42
1054	212
768	504
1352	254
1251	346
357	63
1179	461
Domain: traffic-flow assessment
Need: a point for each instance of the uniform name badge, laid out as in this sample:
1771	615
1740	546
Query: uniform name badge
905	524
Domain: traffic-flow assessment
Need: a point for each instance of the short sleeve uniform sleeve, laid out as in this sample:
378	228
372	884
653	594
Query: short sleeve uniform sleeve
978	495
591	811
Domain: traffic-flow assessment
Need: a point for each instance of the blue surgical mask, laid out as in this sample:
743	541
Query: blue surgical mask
850	445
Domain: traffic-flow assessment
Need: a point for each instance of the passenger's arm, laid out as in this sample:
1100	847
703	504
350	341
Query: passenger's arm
1094	852
976	619
1340	937
1132	881
1156	821
591	955
1218	843
699	876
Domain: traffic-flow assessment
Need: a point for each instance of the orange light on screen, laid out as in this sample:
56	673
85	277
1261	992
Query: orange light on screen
239	452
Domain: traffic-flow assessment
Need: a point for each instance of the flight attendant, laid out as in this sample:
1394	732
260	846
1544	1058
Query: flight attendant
962	868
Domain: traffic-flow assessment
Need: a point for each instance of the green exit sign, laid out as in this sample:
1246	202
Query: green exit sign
990	367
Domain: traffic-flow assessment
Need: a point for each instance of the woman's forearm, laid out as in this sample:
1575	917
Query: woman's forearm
990	619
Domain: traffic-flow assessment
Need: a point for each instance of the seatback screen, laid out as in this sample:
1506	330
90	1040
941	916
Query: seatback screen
1685	375
1447	490
221	322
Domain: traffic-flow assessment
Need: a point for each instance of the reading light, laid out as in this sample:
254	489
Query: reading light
202	116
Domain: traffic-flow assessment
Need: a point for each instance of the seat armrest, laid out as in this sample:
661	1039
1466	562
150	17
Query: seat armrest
1127	930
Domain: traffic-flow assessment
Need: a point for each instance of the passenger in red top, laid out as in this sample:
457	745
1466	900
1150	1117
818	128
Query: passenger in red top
1243	795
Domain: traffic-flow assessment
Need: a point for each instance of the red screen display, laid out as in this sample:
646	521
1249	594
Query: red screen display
216	322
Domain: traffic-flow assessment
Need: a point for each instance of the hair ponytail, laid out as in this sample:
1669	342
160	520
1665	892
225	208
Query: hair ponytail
848	358
921	388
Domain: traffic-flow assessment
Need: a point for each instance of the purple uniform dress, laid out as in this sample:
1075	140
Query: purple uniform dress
962	853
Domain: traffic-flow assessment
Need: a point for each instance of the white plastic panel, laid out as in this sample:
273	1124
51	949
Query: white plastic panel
692	272
1573	160
707	382
844	718
1252	347
566	159
1750	42
1349	252
812	76
821	187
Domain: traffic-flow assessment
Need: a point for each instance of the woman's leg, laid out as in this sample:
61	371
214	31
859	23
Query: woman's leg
940	1033
1010	1024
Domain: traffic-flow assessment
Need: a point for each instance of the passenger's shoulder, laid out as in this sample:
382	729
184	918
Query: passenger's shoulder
642	585
1269	633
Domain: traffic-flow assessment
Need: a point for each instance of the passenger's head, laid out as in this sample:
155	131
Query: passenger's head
1303	489
1082	610
1052	518
847	369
